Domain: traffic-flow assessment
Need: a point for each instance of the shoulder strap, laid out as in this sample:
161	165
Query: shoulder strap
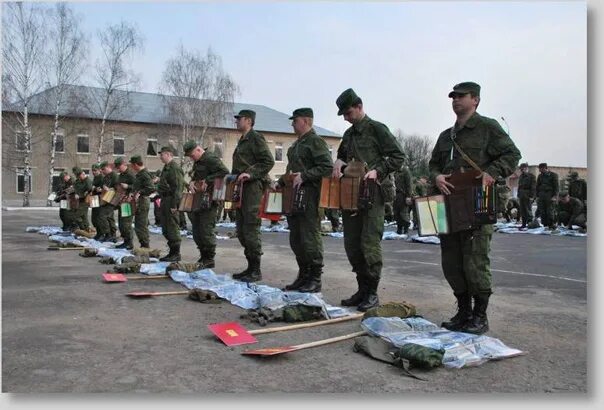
463	154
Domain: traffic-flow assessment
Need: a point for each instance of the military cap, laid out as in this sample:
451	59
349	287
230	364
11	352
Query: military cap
302	112
465	88
118	161
76	171
346	100
168	148
96	166
574	174
189	147
247	113
136	159
103	164
524	165
62	174
543	165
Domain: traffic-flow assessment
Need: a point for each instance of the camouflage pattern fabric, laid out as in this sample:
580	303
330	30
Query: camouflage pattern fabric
392	309
136	259
184	266
152	253
129	267
204	296
88	253
420	356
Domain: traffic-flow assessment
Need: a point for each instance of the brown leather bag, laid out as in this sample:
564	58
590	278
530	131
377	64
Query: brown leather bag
186	202
330	193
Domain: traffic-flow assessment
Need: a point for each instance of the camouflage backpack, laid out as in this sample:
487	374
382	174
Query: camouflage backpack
420	356
392	309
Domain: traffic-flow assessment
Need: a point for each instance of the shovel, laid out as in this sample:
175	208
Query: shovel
151	294
120	277
272	351
68	248
233	334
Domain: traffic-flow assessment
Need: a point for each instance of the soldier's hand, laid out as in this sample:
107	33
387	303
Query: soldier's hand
192	187
124	185
76	196
244	176
442	184
297	180
155	180
337	168
173	210
487	180
371	175
203	186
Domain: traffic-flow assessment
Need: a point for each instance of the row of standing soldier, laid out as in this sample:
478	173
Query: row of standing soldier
367	142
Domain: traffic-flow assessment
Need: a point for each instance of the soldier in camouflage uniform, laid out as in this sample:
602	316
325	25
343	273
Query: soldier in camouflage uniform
66	215
309	160
527	186
206	168
389	193
503	196
571	211
333	215
126	181
465	254
370	142
403	199
547	195
82	186
252	161
97	187
170	188
577	187
107	218
143	187
420	188
156	207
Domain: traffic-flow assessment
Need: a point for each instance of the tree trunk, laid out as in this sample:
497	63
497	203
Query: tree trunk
101	138
51	164
26	170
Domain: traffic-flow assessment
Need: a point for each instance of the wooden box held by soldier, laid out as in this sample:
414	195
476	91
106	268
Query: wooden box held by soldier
233	192
107	196
330	193
186	202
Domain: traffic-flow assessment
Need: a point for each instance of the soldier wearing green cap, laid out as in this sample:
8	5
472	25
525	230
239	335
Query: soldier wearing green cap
252	161
82	187
547	195
125	181
97	186
170	187
141	189
372	143
403	199
465	254
527	189
206	168
577	187
309	160
107	218
571	211
66	215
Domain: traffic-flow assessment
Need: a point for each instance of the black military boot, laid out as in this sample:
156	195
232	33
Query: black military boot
356	298
254	274
165	258
313	280
370	298
300	279
463	315
207	262
399	230
174	255
243	272
479	323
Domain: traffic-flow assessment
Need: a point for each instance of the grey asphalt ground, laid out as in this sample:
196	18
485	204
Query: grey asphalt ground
64	330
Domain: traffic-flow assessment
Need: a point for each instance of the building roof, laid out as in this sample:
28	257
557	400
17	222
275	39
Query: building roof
151	109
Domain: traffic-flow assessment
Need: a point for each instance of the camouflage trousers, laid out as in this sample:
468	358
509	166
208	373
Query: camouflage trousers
107	220
80	216
125	226
305	233
203	223
95	215
141	219
401	211
66	216
247	219
580	220
170	222
363	231
465	260
547	211
526	213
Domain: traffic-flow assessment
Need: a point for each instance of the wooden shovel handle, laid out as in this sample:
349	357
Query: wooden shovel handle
330	340
305	325
69	248
149	277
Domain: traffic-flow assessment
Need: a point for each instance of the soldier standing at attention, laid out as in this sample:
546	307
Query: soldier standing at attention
402	200
125	180
82	187
107	219
97	186
170	188
370	142
66	215
527	185
206	168
547	195
309	160
252	161
465	254
142	188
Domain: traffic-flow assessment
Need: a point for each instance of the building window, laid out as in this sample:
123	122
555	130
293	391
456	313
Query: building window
86	171
21	143
331	151
218	147
83	144
118	146
152	147
21	180
59	143
279	152
56	178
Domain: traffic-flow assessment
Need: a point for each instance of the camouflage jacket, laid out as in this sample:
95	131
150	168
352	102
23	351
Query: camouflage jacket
127	177
253	156
527	185
208	168
82	188
402	181
310	156
574	207
171	182
143	183
578	188
110	180
547	185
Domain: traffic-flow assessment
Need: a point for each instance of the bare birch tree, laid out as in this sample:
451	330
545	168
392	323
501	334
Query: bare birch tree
418	150
199	93
65	63
23	36
118	43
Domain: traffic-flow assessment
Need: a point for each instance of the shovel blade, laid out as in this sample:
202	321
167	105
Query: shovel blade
232	334
114	277
270	351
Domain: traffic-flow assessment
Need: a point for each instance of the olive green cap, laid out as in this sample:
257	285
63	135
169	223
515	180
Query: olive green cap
118	161
574	174
189	147
76	171
247	113
62	174
96	166
346	100
168	148
465	88
524	165
302	112
103	164
136	159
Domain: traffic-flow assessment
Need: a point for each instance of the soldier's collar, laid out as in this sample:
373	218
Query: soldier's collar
473	120
360	126
247	134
